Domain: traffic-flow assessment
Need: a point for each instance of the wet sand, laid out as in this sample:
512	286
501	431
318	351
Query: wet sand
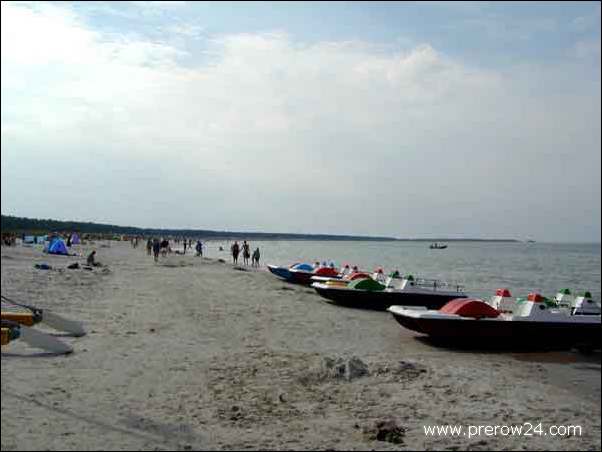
192	353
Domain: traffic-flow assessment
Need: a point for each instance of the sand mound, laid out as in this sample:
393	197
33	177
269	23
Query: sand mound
385	430
349	369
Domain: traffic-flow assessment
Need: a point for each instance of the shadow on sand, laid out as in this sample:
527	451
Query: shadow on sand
523	352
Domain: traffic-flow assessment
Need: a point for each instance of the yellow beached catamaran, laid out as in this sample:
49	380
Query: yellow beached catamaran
17	320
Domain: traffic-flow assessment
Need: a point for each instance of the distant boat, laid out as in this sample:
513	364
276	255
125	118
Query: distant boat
436	246
530	241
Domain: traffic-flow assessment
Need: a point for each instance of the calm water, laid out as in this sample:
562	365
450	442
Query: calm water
480	267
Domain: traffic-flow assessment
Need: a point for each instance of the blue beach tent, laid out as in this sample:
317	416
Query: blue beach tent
58	247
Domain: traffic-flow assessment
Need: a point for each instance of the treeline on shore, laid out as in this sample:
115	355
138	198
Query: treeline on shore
30	226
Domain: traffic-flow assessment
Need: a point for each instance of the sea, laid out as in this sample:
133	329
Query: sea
479	267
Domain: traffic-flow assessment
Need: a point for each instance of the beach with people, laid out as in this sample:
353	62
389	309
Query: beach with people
191	352
301	225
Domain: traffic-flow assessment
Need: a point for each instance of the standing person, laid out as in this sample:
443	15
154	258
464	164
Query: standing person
199	248
164	247
246	252
156	249
235	250
149	247
255	259
185	245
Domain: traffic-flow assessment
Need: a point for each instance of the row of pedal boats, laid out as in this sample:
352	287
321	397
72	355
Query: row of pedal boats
445	312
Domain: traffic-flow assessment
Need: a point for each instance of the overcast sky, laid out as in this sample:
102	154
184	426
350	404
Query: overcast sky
403	119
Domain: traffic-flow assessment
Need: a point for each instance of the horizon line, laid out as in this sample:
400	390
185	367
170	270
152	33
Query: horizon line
298	234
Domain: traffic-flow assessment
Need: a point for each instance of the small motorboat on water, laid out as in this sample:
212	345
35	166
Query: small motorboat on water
370	293
437	246
302	273
507	322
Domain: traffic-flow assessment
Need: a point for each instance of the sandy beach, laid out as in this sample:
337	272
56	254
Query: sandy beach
195	354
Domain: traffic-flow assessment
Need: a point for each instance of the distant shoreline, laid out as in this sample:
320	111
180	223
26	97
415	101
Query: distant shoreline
30	226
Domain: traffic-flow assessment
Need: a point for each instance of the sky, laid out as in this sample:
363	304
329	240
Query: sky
403	119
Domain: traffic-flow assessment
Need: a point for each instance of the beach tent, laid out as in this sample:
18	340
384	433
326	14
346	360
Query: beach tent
53	237
75	239
58	247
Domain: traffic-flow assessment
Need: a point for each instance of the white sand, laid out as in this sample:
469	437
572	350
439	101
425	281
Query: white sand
193	354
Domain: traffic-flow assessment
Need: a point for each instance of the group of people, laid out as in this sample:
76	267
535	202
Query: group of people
9	240
156	247
246	254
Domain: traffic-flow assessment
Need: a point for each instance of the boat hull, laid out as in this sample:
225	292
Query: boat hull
291	275
281	272
301	277
381	301
504	333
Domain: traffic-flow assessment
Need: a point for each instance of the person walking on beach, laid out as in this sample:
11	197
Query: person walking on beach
255	258
235	250
149	247
246	252
185	245
156	249
199	248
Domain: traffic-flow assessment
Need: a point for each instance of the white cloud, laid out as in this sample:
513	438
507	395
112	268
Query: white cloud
587	22
588	49
158	3
185	30
271	131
